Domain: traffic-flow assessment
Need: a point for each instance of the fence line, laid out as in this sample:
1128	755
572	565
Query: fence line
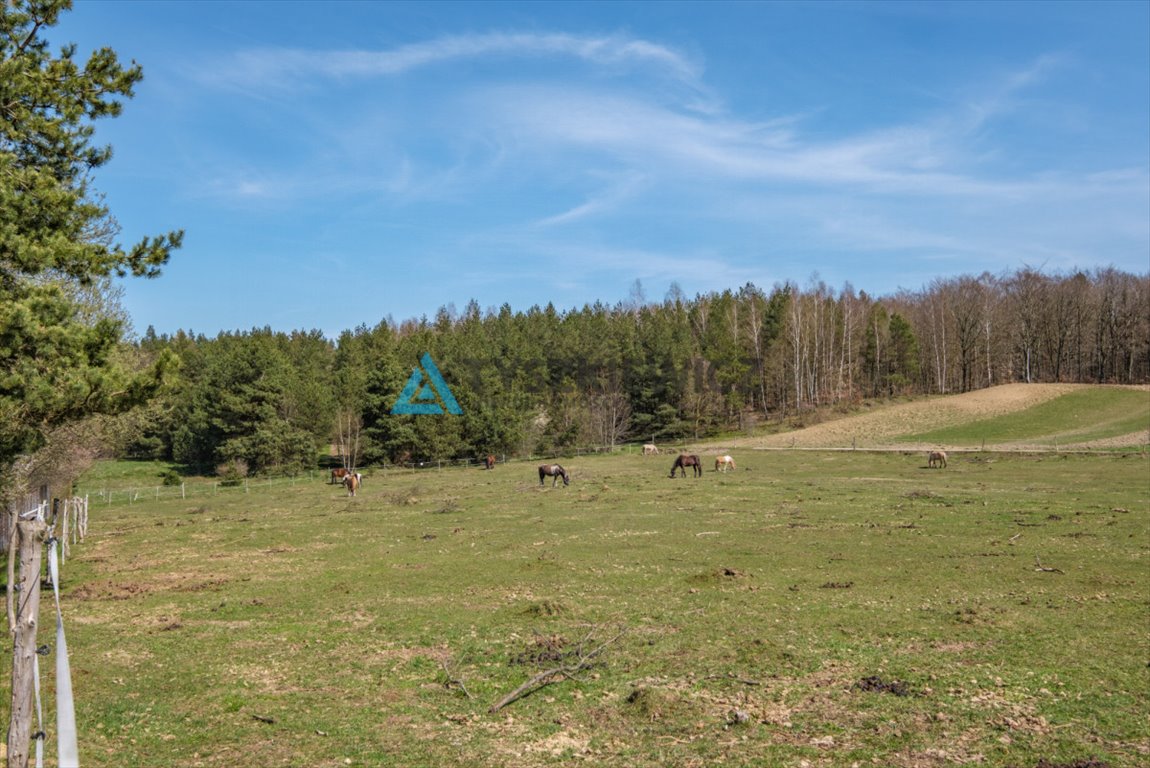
133	495
106	496
35	529
73	524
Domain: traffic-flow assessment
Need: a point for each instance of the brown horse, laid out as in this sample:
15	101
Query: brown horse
936	459
337	476
351	481
489	462
685	460
553	471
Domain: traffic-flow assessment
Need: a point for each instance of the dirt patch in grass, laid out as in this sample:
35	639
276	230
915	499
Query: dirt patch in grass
435	653
564	743
956	646
126	590
110	590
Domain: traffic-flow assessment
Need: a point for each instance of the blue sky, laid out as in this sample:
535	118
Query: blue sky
338	163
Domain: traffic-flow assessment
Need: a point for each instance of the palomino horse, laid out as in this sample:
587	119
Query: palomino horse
936	459
724	463
337	475
489	462
553	471
352	481
685	460
650	449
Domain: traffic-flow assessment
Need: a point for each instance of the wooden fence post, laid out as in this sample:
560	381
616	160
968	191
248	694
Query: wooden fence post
23	619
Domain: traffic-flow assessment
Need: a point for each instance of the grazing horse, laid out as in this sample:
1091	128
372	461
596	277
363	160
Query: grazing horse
650	449
936	459
337	475
724	463
351	481
489	462
553	471
685	460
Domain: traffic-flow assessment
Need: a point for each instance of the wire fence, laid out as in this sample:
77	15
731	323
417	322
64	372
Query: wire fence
138	494
104	495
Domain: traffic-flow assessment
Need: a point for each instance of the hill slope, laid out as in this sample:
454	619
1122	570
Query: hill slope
1007	417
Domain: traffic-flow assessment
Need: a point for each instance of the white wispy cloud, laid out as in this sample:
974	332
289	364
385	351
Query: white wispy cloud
925	155
988	100
610	144
664	142
615	193
287	67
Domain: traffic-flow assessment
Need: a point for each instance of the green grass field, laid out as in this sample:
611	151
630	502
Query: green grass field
822	609
1094	413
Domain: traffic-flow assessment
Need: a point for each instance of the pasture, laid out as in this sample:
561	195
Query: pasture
808	609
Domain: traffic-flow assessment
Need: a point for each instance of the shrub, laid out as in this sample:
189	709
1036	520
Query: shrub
232	472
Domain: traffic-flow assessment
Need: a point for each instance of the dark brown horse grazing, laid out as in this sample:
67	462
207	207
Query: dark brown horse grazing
489	462
337	475
554	471
685	460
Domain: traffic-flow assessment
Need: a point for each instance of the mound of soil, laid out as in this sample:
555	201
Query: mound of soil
875	684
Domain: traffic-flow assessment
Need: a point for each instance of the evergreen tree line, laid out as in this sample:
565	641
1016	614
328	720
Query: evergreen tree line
545	381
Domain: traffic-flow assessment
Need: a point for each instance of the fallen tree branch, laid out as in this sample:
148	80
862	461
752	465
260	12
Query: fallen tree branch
582	662
734	679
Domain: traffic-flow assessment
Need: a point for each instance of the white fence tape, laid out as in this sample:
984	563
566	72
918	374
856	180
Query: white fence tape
66	742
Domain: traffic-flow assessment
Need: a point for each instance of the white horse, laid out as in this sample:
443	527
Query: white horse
936	459
650	449
724	463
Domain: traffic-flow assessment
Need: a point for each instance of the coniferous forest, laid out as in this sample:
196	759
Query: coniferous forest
546	380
